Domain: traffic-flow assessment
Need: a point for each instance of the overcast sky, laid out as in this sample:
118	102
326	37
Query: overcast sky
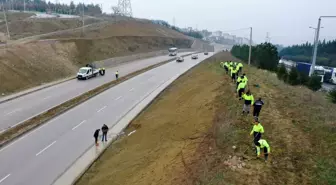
287	21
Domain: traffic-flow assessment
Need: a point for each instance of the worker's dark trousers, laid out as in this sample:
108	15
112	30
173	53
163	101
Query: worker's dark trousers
240	92
226	69
257	137
233	76
117	76
266	153
104	137
256	110
96	139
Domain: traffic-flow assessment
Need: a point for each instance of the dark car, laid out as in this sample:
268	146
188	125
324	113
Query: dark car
180	59
206	53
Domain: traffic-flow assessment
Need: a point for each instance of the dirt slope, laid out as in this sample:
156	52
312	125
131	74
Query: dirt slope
186	135
121	28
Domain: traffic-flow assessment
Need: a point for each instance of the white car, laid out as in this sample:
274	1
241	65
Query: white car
89	71
194	57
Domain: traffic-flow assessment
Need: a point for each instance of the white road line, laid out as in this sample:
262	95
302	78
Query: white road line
46	97
78	124
4	178
118	98
45	148
24	136
9	113
131	89
102	109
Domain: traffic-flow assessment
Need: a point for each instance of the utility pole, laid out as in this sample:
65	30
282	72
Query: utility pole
316	43
24	5
250	52
315	32
268	39
125	7
4	12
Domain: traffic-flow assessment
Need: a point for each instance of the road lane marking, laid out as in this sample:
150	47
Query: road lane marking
102	109
131	89
78	124
46	97
118	98
45	148
4	178
9	113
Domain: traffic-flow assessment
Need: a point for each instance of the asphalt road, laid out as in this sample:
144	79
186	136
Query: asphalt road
39	157
18	110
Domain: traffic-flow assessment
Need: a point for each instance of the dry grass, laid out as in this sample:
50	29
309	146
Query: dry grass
167	132
186	135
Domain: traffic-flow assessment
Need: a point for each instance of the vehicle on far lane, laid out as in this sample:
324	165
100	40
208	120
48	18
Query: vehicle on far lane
206	53
89	71
194	57
180	59
173	51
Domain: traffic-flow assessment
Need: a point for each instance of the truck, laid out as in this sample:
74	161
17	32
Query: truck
89	71
306	67
330	75
172	51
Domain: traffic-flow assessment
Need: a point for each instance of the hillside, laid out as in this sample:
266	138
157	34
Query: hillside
34	62
187	135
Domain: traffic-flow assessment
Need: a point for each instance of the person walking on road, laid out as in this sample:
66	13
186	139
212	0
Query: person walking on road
117	75
233	74
104	130
257	107
262	144
257	130
248	101
95	135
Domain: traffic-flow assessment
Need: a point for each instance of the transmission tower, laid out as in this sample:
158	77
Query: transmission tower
268	38
125	7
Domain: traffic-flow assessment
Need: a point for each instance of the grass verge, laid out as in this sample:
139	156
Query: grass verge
186	135
21	129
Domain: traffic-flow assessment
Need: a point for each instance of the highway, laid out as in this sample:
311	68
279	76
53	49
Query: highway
40	156
18	110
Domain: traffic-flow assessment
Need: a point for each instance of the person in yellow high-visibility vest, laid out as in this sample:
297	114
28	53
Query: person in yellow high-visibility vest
248	101
241	89
226	67
240	67
234	74
262	144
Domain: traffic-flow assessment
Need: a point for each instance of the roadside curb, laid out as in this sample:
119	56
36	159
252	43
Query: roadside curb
71	176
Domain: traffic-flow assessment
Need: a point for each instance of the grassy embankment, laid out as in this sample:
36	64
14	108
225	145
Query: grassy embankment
186	135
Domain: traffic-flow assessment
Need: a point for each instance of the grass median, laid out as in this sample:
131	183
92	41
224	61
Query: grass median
186	136
21	129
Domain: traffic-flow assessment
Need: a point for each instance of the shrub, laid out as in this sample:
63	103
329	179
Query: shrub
332	95
314	83
293	76
303	78
282	72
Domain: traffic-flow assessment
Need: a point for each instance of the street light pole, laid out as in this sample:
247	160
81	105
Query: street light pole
316	43
315	31
250	52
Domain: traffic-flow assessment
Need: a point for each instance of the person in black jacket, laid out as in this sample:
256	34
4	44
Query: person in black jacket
257	107
104	130
95	135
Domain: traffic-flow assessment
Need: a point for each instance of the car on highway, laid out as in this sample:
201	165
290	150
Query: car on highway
206	53
180	59
194	57
89	71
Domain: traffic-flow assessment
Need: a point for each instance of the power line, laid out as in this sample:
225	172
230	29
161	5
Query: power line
125	7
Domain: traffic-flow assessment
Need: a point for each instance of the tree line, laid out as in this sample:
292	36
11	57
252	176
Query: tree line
326	55
265	56
42	6
191	33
